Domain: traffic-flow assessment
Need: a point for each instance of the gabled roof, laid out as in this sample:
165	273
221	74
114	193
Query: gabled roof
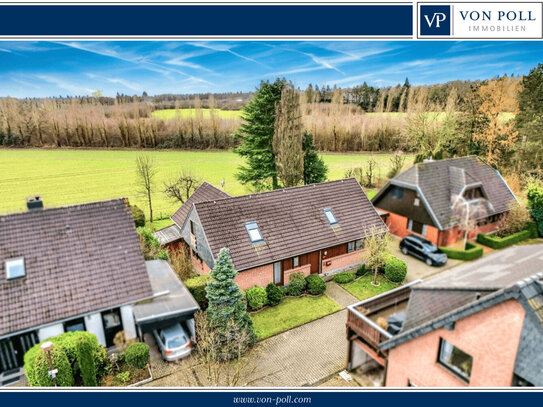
205	192
468	289
78	259
291	221
439	181
168	234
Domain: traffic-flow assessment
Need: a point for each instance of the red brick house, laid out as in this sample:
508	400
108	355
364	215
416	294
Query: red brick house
433	198
316	228
480	325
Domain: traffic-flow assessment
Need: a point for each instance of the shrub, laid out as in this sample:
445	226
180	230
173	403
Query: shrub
532	228
471	252
296	287
360	271
67	342
315	284
85	359
137	355
64	376
121	342
150	246
395	270
256	297
515	221
197	287
344	278
138	215
182	263
296	276
500	242
275	294
535	202
123	377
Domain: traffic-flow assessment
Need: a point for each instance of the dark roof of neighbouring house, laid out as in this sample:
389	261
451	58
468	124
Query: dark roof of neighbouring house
205	192
438	182
468	289
291	221
168	234
78	259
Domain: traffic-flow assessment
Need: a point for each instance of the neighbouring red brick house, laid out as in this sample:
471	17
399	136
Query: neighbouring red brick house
316	228
434	197
480	325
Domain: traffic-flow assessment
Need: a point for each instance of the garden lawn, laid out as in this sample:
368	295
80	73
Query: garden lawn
70	176
362	288
290	313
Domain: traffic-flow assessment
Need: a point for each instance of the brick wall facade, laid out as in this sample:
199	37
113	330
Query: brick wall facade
306	270
200	266
491	337
342	261
397	225
256	276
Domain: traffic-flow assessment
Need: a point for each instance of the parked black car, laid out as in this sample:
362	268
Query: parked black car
422	248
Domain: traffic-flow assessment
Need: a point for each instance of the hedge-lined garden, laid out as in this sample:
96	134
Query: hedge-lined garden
359	283
277	309
471	252
81	361
496	242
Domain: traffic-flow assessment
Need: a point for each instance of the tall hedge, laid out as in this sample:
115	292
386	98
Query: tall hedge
197	287
535	203
85	359
59	360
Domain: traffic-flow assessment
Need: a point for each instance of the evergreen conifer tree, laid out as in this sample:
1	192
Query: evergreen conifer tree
227	309
315	169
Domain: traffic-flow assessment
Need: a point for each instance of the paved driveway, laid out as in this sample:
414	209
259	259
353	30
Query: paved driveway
417	269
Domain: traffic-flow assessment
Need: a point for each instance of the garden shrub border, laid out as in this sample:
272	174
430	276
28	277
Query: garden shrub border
472	252
496	242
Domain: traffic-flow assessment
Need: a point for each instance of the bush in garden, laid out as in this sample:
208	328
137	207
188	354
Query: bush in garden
315	284
256	297
197	287
395	270
535	203
85	359
137	355
67	342
150	246
138	215
296	284
344	278
64	376
296	276
360	271
275	294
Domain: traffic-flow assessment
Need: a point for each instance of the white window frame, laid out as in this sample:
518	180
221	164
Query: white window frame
332	220
295	261
410	225
424	229
18	261
350	247
254	232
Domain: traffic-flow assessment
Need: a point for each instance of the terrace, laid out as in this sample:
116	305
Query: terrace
366	327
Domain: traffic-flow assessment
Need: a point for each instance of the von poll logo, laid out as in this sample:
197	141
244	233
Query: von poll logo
435	20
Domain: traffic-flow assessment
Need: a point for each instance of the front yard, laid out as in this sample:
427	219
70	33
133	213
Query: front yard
290	313
362	288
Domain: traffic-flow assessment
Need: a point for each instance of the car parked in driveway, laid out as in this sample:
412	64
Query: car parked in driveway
423	249
173	342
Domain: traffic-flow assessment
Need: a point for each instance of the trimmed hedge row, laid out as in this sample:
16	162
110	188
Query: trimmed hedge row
495	242
472	252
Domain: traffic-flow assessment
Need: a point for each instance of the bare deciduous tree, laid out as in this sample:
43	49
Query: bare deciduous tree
375	252
146	170
183	186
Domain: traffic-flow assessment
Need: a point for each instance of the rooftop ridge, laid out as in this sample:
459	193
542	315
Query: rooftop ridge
57	208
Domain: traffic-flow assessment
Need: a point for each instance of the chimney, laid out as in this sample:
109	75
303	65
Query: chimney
34	202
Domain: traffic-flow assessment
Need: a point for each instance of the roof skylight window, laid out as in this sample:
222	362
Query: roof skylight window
254	232
15	268
330	216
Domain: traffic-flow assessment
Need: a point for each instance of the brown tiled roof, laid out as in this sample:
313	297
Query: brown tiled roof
291	221
78	259
205	192
440	180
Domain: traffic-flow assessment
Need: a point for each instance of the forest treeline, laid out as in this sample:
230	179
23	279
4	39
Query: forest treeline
455	118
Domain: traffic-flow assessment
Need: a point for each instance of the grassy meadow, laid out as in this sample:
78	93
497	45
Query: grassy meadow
168	114
68	176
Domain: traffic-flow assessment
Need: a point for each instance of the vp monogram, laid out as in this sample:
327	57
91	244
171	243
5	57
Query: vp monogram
438	18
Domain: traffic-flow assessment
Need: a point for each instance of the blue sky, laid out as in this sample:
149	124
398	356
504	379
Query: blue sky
37	69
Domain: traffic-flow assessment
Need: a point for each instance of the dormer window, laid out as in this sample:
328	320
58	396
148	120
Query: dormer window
15	268
254	232
330	216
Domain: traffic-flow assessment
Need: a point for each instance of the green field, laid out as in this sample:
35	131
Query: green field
168	114
73	176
